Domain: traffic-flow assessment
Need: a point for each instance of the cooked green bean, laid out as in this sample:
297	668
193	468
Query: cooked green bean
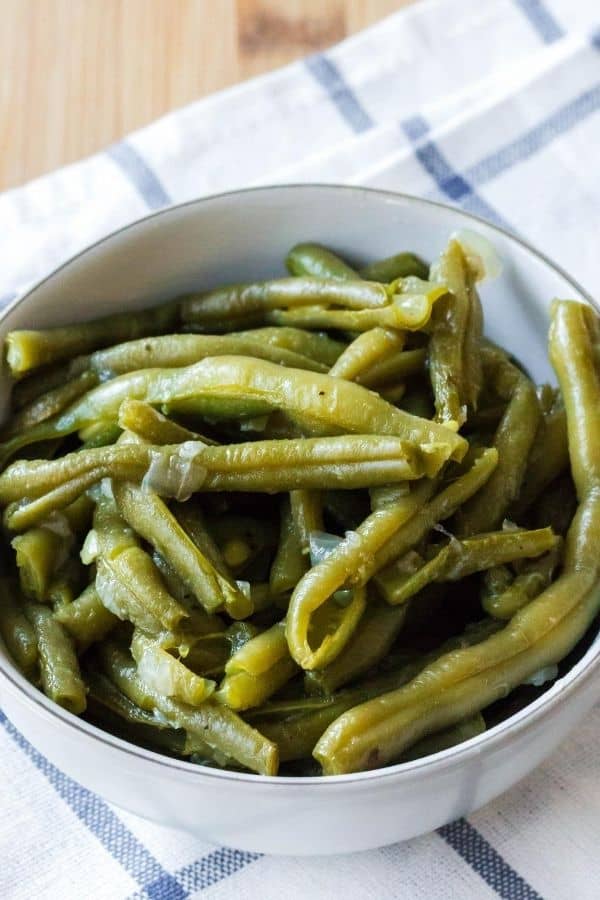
513	440
192	520
15	628
48	378
230	387
365	351
350	565
408	305
290	562
401	265
455	345
460	558
397	366
383	536
257	670
316	345
219	727
50	404
307	515
349	461
149	516
167	675
39	554
411	297
548	457
448	737
319	262
59	669
86	619
175	350
150	425
530	582
127	581
371	642
27	350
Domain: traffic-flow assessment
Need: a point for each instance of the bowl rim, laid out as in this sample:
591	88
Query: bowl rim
519	722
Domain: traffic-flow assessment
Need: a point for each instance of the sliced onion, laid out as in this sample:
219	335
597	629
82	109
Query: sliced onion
481	254
547	673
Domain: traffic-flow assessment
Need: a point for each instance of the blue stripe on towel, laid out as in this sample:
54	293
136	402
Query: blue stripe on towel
486	861
341	94
541	19
139	173
453	186
561	121
102	822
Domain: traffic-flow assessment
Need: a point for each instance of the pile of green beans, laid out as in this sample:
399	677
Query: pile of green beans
318	524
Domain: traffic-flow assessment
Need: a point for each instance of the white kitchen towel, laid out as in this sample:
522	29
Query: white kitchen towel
492	105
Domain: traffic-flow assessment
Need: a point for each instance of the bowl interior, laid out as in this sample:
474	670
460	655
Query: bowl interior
246	235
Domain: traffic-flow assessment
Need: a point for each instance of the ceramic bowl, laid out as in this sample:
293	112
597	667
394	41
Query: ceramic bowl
245	235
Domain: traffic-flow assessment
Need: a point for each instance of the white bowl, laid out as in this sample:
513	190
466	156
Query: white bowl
245	235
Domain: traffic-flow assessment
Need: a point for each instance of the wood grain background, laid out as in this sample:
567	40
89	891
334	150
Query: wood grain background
76	75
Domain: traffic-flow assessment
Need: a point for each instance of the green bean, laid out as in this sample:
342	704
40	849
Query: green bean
495	581
246	300
379	628
169	351
49	404
318	262
396	366
307	515
23	514
437	509
127	581
290	562
99	435
460	558
350	565
409	304
572	339
351	461
556	506
67	583
513	440
382	537
150	425
548	457
31	387
15	629
86	619
455	345
368	348
257	670
27	350
530	582
401	265
448	737
39	554
219	727
540	634
316	345
149	516
167	675
394	394
192	520
229	387
59	669
117	712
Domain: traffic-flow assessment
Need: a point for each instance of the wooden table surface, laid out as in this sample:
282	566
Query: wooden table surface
78	74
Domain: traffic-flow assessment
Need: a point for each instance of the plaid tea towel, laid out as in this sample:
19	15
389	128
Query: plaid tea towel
493	106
